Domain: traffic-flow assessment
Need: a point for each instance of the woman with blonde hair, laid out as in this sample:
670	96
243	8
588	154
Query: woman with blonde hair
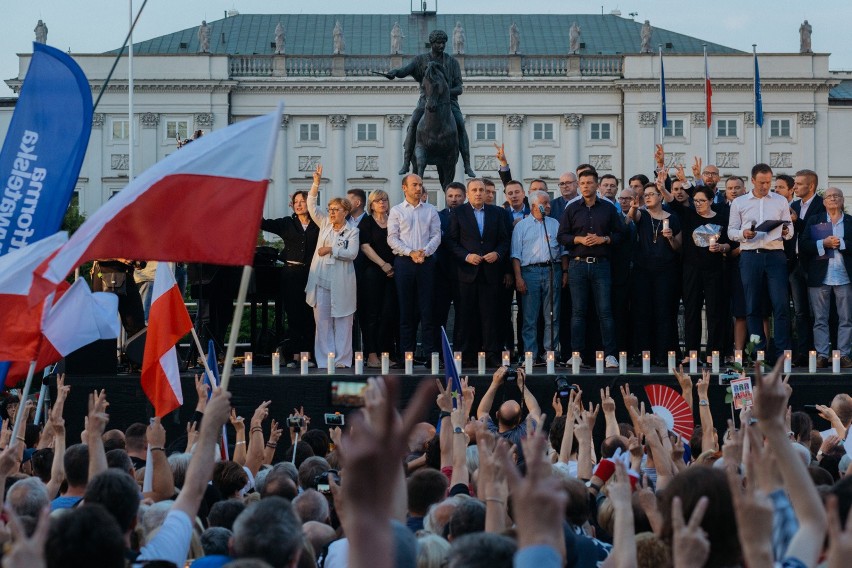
331	288
377	299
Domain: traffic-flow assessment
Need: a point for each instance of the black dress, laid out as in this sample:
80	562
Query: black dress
377	303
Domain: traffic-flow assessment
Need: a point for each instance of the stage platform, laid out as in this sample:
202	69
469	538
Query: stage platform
314	391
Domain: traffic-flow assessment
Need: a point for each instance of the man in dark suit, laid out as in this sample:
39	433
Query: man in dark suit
479	239
446	276
807	206
825	252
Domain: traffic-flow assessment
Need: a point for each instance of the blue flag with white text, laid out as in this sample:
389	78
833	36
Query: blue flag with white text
44	148
758	100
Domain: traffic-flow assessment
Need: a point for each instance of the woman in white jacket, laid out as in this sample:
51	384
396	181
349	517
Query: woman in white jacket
331	281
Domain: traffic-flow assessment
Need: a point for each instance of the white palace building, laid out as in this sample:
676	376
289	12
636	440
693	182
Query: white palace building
552	106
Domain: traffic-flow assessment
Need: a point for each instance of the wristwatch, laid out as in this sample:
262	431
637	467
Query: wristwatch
458	430
703	403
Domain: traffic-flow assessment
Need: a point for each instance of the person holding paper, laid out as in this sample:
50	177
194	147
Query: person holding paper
826	256
760	221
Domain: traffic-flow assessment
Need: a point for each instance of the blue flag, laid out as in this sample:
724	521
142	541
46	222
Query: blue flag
213	363
4	370
43	151
44	148
758	100
663	91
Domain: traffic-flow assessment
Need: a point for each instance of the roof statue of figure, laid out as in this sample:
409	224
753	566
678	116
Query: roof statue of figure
458	39
279	39
396	39
203	37
646	37
804	37
574	38
40	32
339	40
514	40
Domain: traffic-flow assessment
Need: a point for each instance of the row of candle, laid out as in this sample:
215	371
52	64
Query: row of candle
550	359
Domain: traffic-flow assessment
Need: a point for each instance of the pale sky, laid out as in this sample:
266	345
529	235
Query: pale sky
93	26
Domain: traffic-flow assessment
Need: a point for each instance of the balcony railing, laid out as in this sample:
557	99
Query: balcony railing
471	65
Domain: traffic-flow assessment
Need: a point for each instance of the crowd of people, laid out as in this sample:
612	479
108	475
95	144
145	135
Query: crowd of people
506	487
595	269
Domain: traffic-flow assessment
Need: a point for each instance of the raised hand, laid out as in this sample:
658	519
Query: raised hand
690	545
696	167
238	422
630	400
659	155
840	540
27	552
317	175
607	402
260	414
98	417
191	435
445	396
557	405
501	154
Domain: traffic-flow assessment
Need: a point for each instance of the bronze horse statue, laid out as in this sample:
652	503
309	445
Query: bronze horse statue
437	140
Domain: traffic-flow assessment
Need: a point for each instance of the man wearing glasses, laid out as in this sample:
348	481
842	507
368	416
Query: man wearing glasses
568	191
708	177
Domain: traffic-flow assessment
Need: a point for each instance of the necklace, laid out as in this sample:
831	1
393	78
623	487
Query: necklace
655	228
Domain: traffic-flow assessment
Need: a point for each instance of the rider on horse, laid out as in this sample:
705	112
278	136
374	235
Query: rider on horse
416	68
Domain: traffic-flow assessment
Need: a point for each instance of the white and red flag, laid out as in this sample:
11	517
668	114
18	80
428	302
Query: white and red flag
202	203
20	322
168	321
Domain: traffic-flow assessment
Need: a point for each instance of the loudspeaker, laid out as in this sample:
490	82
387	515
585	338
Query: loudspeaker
134	348
98	358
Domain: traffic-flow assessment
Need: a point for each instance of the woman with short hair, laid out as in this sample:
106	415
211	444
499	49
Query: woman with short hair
331	288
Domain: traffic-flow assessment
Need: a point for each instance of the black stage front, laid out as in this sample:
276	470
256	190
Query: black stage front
290	390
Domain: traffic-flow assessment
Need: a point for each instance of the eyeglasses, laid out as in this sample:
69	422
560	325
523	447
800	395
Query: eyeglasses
625	198
700	201
334	209
566	183
711	174
652	194
833	196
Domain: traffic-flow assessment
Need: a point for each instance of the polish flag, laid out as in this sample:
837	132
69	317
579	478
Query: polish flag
168	321
202	203
78	318
20	322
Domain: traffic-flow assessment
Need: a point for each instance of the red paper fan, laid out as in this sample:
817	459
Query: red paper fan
669	405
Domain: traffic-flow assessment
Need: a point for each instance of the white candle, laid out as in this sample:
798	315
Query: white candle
436	363
409	363
385	363
712	240
622	362
672	361
599	362
551	362
330	362
788	361
528	362
715	362
693	361
738	356
760	356
666	224
812	357
276	363
305	358
480	363
457	361
506	360
247	365
359	363
646	362
575	363
835	361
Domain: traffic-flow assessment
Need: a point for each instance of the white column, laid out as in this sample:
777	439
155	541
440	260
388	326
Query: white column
572	139
147	154
280	197
93	167
515	122
396	122
338	157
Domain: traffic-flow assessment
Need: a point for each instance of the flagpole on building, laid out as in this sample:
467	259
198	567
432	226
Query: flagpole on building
662	95
130	121
118	57
235	327
754	99
24	394
707	110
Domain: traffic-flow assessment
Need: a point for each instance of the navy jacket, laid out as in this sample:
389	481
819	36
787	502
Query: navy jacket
463	238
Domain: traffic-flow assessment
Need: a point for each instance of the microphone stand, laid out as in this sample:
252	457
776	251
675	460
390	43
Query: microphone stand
549	273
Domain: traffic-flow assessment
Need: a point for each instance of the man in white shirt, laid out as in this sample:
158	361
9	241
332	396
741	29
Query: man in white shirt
539	276
762	253
414	234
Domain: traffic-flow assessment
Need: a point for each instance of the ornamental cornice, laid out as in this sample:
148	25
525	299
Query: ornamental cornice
745	85
379	89
195	87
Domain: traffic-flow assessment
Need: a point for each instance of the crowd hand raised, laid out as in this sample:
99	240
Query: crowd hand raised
659	155
98	417
317	175
539	498
690	545
630	400
492	475
6	433
679	173
156	434
770	397
218	408
696	167
607	402
468	394
202	389
26	552
703	384
557	405
445	396
684	380
830	442
648	502
275	432
501	154
62	391
238	422
260	414
827	413
10	460
839	540
191	435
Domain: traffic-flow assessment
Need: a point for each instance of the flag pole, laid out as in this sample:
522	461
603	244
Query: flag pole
707	108
235	327
201	352
130	120
26	392
754	98
662	95
42	395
